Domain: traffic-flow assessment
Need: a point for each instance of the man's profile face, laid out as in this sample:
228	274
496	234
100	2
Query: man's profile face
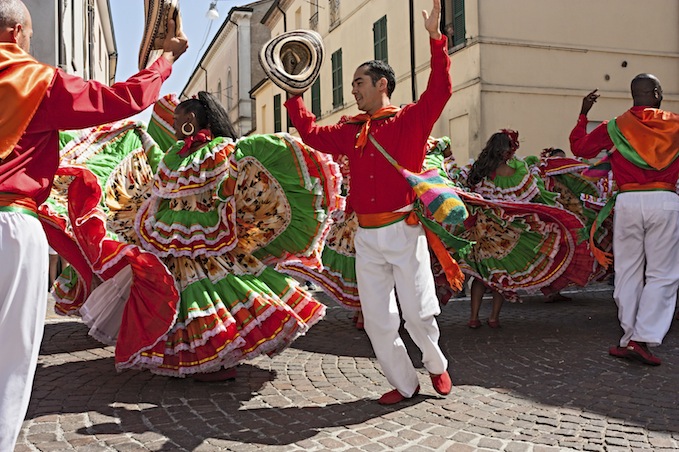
368	96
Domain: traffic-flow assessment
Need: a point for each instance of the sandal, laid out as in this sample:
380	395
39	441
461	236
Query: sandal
474	324
494	323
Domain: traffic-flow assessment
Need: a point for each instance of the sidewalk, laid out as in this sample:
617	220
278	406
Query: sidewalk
543	382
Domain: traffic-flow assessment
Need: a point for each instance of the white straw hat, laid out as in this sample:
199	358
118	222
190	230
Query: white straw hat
156	14
293	60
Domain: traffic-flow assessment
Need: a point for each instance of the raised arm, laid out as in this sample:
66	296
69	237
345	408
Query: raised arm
73	103
588	145
334	139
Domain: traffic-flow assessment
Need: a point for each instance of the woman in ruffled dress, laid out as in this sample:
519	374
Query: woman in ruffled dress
523	239
208	223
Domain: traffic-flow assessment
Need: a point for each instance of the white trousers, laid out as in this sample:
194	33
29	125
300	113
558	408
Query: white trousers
23	302
397	255
646	250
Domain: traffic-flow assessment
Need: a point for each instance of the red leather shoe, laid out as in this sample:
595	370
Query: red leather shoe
619	352
394	396
441	383
640	352
474	324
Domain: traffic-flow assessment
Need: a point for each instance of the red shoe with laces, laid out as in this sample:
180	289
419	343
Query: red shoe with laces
394	396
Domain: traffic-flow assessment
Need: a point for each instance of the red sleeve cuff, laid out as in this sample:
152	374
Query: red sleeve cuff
163	67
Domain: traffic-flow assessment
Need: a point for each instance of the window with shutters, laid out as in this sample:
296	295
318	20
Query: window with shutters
453	22
313	20
316	98
380	39
337	95
277	122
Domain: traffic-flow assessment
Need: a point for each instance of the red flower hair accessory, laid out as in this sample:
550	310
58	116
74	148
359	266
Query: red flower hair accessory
513	138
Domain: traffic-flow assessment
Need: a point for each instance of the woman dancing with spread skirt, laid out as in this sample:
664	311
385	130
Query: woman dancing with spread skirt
523	239
199	234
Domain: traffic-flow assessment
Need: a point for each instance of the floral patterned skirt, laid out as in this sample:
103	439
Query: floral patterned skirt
227	306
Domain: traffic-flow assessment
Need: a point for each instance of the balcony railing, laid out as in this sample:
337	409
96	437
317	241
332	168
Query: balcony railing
313	21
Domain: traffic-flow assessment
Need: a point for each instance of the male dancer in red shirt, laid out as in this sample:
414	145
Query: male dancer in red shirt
390	251
644	146
38	101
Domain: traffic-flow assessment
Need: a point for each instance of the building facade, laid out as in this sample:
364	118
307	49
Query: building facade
230	66
76	36
520	64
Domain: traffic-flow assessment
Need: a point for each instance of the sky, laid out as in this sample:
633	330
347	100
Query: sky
128	25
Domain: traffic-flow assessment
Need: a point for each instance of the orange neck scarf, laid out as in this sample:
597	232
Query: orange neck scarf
23	84
366	119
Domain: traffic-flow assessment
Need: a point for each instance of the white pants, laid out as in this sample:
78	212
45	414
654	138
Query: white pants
398	255
23	302
646	250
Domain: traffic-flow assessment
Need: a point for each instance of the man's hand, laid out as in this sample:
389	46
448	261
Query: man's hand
588	101
432	21
175	44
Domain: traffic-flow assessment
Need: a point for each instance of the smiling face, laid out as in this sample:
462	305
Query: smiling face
369	97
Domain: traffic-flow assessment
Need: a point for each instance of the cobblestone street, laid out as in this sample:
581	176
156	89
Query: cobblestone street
542	382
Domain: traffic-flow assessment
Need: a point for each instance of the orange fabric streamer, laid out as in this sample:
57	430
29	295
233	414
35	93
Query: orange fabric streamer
654	135
23	84
366	119
451	268
604	258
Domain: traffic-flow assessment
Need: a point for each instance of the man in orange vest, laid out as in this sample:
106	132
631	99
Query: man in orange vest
38	101
643	144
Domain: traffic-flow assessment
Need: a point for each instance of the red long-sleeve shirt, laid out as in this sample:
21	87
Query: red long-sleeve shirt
588	145
375	185
73	103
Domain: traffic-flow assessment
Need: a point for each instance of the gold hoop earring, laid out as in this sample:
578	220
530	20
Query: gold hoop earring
186	132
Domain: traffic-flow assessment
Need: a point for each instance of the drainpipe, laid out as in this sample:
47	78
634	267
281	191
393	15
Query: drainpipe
200	65
238	78
413	81
285	18
112	67
90	38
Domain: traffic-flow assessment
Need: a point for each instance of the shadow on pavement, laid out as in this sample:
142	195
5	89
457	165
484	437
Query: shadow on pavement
551	353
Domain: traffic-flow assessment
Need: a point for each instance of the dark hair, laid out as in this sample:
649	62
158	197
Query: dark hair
490	158
210	115
12	12
551	152
377	69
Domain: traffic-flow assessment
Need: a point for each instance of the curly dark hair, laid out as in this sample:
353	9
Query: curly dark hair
490	158
210	115
377	69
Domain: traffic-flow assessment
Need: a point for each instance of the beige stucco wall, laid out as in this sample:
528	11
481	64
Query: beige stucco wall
526	63
539	58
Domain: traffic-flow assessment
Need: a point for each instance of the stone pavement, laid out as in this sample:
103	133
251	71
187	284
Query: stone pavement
543	382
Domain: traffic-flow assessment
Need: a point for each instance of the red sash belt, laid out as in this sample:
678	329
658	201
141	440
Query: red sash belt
10	202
